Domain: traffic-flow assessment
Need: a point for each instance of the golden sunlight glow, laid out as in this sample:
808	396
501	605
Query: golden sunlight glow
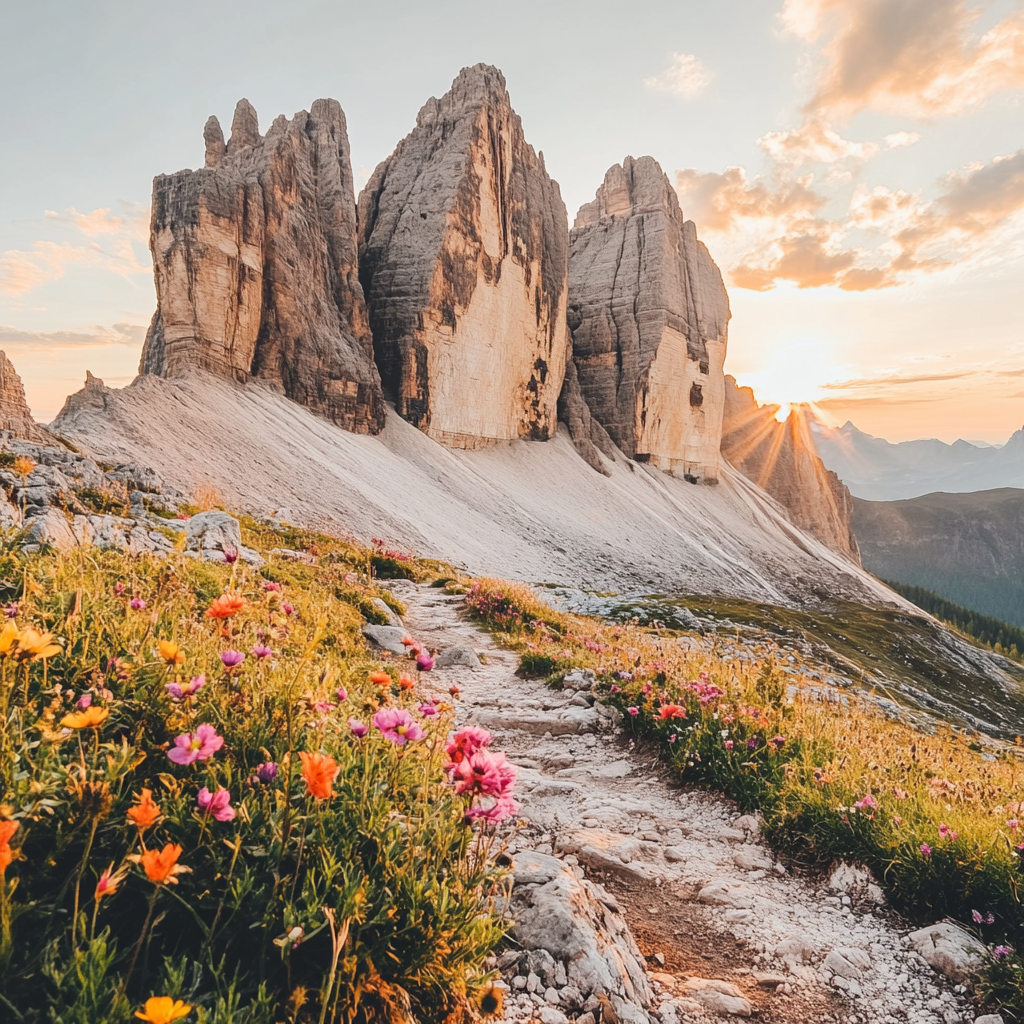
792	374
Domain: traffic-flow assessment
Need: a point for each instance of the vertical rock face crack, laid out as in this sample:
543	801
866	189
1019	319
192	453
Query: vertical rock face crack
255	260
463	254
651	316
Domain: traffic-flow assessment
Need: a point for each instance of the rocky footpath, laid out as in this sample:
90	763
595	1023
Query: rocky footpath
649	318
636	900
255	261
462	254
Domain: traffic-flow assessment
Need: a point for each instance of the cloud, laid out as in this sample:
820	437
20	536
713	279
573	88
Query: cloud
117	334
24	270
814	142
898	140
686	77
917	57
894	380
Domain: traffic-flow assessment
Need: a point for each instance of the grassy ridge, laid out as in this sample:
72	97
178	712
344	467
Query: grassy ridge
199	809
935	820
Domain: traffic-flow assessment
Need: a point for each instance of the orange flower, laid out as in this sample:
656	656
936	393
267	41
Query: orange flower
163	1010
226	606
161	866
408	641
171	652
380	678
7	830
145	812
91	718
319	772
33	645
406	682
671	711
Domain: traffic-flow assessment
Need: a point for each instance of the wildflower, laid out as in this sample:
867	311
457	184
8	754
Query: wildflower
287	608
261	652
614	688
161	866
671	711
778	742
7	830
227	606
900	794
625	676
408	641
89	718
465	743
163	1009
406	682
197	746
11	610
35	646
291	938
486	773
179	692
990	918
232	659
427	709
752	743
322	707
1001	951
23	465
137	604
1013	824
216	804
359	730
267	772
146	812
494	814
271	587
897	820
926	850
633	711
341	693
454	690
230	555
866	803
108	882
945	832
646	689
398	726
84	701
319	772
380	678
424	662
672	738
977	917
728	744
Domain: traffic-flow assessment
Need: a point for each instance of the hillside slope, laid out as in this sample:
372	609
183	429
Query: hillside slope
529	510
967	547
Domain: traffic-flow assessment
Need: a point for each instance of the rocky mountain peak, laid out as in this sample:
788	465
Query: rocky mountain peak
245	128
15	414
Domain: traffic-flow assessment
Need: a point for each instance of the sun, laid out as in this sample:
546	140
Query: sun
794	373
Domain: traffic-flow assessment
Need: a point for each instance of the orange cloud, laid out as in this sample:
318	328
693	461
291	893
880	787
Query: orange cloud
814	142
917	57
685	77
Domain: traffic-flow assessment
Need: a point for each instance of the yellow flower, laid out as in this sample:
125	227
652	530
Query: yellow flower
91	718
171	652
163	1009
33	645
8	639
23	465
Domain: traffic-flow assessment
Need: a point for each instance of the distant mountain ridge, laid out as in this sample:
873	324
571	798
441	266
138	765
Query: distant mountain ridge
877	470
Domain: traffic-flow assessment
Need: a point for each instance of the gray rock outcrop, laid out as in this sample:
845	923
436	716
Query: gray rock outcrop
462	254
649	315
781	459
255	260
15	414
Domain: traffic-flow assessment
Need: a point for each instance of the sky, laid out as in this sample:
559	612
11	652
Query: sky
855	167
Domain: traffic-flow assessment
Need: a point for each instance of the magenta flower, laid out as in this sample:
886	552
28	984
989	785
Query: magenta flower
633	711
230	555
270	586
977	917
926	850
84	701
464	744
752	743
267	772
424	662
232	659
1001	951
218	804
197	746
646	688
614	688
287	608
485	773
190	689
728	744
778	742
137	604
341	693
259	651
427	709
672	738
398	726
945	832
359	729
322	707
867	803
118	589
1013	824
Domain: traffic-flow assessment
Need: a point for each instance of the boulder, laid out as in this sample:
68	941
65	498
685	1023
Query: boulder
949	949
255	260
50	527
649	315
452	656
462	255
388	637
215	534
718	996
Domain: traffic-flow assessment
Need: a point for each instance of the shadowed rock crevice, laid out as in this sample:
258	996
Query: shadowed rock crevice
255	259
463	255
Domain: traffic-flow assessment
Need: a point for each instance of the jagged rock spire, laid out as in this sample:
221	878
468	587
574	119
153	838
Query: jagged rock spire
15	414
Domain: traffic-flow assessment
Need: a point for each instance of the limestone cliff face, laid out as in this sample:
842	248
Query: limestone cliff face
15	414
463	249
255	259
649	319
782	460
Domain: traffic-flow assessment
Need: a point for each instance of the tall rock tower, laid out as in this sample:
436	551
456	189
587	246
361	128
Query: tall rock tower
649	319
255	259
463	244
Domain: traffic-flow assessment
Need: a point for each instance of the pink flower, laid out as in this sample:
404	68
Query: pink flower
197	746
977	917
427	709
137	604
232	659
230	555
341	693
398	726
322	707
287	608
945	832
1013	824
84	701
897	820
216	804
424	662
728	744
270	586
179	692
267	772
359	730
778	742
614	688
497	812
464	744
866	803
259	651
485	773
633	711
1001	951
926	850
